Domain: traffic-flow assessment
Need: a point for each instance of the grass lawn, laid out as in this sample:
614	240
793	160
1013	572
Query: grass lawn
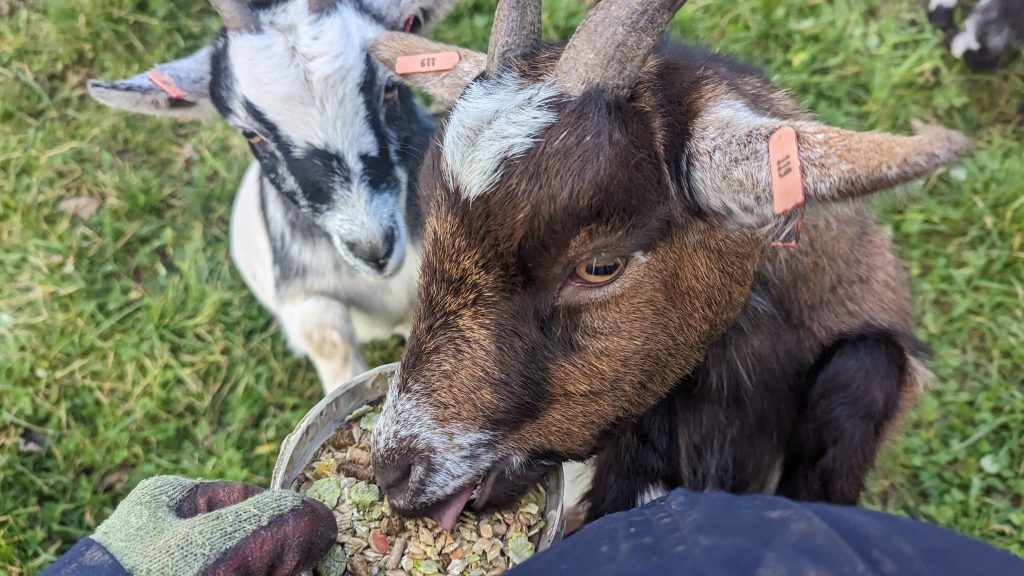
130	347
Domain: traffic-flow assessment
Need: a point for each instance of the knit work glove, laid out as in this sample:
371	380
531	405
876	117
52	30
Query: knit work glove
171	525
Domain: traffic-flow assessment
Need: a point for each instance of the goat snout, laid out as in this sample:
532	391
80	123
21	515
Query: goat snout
426	469
404	468
393	474
417	484
376	254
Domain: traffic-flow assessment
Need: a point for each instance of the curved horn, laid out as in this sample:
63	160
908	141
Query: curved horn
516	30
236	15
611	45
320	5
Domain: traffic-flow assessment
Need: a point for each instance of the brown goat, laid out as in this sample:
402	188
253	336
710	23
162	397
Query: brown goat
598	277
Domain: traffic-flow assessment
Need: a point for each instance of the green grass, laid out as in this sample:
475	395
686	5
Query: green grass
130	347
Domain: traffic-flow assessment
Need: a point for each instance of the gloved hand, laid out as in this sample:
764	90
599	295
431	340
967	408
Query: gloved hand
171	525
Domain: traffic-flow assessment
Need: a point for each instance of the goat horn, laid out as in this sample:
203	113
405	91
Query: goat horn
610	46
320	5
516	30
236	15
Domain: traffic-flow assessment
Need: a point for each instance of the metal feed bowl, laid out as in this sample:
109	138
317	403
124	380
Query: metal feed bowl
329	414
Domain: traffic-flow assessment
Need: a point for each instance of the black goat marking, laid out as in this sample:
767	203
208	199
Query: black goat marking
378	168
850	397
316	172
311	178
222	78
267	127
280	236
637	456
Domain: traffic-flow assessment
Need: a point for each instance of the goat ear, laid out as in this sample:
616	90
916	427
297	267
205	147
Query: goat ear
443	85
178	89
730	171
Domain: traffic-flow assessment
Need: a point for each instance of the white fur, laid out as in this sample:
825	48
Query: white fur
578	476
310	89
368	217
304	72
459	456
936	4
323	317
493	122
967	39
772	483
288	62
740	195
321	327
989	26
650	494
250	245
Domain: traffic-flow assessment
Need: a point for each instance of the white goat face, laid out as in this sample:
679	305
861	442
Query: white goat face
316	111
329	128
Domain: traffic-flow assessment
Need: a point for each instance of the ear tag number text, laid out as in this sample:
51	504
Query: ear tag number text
787	181
417	63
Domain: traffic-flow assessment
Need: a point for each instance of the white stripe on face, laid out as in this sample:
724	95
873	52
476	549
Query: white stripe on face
305	72
493	121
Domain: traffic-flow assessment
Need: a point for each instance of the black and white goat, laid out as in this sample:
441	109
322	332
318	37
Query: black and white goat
599	277
992	27
326	226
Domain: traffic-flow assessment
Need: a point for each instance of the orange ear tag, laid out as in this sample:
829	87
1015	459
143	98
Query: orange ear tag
164	82
437	62
787	181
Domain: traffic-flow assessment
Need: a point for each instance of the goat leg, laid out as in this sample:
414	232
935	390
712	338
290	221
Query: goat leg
640	463
858	388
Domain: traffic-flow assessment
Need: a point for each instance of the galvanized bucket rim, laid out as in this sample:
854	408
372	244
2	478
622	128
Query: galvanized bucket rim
312	431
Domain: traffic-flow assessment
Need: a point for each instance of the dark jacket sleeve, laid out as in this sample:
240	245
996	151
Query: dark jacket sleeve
86	557
716	533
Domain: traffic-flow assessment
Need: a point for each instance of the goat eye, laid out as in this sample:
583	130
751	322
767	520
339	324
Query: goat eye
390	90
599	271
253	137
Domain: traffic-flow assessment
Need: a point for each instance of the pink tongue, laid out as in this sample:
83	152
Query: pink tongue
447	516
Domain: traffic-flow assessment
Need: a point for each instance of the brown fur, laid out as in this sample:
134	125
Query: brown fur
714	361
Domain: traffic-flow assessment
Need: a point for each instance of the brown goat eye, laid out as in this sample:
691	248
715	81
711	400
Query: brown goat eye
599	271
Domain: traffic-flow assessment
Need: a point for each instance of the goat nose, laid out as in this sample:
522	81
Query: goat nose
376	255
393	476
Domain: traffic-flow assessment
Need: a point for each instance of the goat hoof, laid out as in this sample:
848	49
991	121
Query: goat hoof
983	60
